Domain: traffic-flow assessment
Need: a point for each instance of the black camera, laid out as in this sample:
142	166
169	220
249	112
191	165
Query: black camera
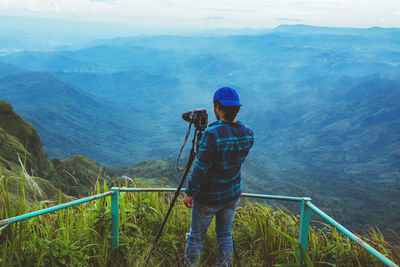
198	117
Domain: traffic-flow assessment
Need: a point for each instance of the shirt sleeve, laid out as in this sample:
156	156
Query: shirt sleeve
204	161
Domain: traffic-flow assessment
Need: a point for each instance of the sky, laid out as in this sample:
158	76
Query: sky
211	14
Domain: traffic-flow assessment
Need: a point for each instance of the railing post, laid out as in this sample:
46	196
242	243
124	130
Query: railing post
114	218
304	227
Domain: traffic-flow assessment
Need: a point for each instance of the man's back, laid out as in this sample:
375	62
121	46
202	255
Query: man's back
223	148
215	184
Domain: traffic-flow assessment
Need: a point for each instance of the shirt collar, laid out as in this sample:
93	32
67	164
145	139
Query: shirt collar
238	123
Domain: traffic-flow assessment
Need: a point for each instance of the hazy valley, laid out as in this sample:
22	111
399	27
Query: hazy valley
324	104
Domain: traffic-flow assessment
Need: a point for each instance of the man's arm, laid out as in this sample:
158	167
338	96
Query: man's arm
204	161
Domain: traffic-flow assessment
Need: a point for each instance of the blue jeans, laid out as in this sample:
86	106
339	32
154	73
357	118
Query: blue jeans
202	216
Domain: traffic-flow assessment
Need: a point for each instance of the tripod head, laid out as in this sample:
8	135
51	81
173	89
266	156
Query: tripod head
199	118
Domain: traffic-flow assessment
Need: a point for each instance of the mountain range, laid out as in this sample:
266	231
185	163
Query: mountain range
323	103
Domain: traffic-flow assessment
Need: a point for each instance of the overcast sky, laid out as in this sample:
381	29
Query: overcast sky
215	13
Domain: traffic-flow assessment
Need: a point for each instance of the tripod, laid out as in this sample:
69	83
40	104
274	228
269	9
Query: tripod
193	152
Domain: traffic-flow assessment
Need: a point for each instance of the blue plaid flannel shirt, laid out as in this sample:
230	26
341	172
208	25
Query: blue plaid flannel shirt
216	177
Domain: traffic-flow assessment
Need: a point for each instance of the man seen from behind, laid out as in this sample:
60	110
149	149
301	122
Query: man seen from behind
215	185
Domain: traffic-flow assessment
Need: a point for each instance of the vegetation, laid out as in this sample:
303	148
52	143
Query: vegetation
322	103
82	174
150	172
20	140
80	236
77	175
21	147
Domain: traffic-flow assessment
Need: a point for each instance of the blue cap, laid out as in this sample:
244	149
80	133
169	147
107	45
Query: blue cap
227	97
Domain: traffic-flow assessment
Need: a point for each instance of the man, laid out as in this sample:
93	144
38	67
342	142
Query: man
214	187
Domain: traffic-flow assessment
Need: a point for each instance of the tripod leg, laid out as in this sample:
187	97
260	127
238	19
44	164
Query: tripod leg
188	165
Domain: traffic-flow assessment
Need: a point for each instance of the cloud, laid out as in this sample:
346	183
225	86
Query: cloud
103	1
217	13
215	18
229	10
291	19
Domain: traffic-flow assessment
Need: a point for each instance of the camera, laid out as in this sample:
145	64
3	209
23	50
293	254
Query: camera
198	117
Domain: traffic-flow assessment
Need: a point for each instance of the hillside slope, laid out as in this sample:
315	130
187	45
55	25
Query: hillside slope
22	160
82	174
9	69
21	148
73	121
20	137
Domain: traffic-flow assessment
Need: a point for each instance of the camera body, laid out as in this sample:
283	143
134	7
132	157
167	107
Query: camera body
198	117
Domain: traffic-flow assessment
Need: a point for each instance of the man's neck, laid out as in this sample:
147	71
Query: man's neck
222	118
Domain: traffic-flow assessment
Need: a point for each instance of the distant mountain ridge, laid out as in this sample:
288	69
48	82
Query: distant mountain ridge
308	29
323	104
293	49
335	120
9	69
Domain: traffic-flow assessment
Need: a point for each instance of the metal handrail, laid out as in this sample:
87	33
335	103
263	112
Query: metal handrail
262	196
352	236
306	208
53	208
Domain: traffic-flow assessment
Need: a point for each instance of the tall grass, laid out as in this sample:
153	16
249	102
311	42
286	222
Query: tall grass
80	236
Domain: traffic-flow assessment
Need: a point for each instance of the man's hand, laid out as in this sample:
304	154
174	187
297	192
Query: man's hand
188	201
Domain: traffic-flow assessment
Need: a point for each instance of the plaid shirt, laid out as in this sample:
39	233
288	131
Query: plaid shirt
216	175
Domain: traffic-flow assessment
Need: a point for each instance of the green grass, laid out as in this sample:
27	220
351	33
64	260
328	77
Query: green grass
19	140
150	172
80	174
80	236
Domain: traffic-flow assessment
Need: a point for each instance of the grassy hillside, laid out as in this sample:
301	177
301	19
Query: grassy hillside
150	172
22	161
20	140
262	236
323	104
81	236
82	174
22	157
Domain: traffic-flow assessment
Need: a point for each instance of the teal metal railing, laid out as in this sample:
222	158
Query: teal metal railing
306	208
